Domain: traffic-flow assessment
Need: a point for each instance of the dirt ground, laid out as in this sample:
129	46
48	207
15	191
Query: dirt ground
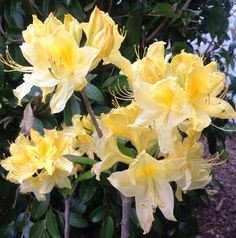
217	215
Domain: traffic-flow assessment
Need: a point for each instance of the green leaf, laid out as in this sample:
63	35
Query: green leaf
51	223
98	214
164	9
49	121
85	176
185	229
107	229
223	153
72	108
95	94
77	220
133	27
87	190
74	7
179	46
38	209
21	221
125	150
77	206
80	160
111	80
38	126
89	6
157	226
37	229
45	235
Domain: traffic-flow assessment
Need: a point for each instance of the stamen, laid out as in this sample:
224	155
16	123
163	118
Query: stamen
144	51
222	129
136	50
224	92
13	65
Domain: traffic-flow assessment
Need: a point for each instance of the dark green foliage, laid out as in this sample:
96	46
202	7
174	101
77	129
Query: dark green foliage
96	207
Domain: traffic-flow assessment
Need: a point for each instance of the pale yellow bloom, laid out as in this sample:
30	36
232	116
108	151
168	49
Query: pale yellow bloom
153	67
58	63
103	34
109	153
165	105
82	132
37	164
119	121
147	179
202	85
195	170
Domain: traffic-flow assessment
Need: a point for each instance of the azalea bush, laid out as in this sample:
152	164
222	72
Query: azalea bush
103	111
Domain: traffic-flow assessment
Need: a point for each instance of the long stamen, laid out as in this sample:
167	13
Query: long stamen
222	129
13	64
224	92
136	50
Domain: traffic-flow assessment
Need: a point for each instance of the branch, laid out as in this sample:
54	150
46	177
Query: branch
126	202
126	209
67	217
157	30
90	112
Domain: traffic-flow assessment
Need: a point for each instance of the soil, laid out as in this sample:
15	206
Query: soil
217	215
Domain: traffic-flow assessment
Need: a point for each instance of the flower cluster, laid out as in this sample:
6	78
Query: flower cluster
37	162
169	99
59	62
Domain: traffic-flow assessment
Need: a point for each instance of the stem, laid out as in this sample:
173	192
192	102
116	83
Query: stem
90	112
126	209
67	216
126	202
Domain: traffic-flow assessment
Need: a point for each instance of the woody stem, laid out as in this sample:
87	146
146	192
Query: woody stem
90	112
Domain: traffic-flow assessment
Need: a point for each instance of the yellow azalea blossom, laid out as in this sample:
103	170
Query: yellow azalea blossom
103	34
109	153
82	132
147	179
37	163
195	170
182	64
202	85
59	65
119	120
164	104
153	67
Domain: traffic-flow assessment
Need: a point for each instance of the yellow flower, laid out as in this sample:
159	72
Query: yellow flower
120	121
153	67
37	164
58	63
109	153
147	179
165	105
202	85
82	132
103	34
195	170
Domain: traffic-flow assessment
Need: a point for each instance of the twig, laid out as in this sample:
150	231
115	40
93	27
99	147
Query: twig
67	217
157	30
126	202
67	211
90	112
126	209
